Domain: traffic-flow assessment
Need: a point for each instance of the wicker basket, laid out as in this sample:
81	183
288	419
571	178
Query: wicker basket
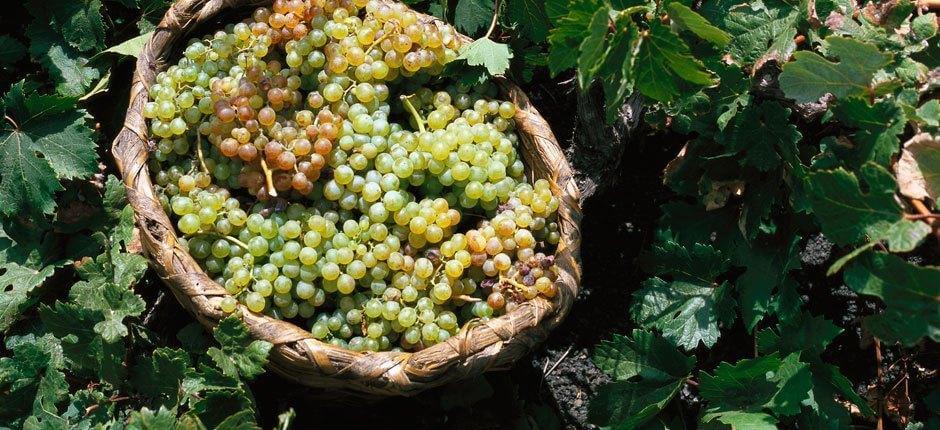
296	355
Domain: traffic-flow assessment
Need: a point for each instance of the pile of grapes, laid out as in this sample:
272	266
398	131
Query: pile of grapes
278	154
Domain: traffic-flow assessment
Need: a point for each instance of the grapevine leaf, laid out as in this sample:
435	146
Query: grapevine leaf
828	380
46	125
147	419
78	21
84	349
31	379
767	269
624	404
751	385
131	47
684	312
159	375
616	71
760	29
529	17
909	292
794	381
929	113
570	30
741	386
645	354
663	61
66	65
692	21
16	283
764	133
11	50
471	16
697	263
810	76
239	353
487	53
848	215
592	48
878	128
807	333
743	420
919	167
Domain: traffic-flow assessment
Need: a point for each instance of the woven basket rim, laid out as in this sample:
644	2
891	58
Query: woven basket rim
476	348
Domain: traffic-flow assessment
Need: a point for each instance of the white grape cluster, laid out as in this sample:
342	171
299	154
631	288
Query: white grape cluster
312	194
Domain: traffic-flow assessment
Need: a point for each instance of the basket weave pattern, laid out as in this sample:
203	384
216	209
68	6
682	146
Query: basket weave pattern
296	355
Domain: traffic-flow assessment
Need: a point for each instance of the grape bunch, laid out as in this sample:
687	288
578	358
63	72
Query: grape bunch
322	170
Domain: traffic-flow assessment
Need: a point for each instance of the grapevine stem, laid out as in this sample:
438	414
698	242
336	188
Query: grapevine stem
232	239
414	112
202	161
378	41
493	22
268	179
15	125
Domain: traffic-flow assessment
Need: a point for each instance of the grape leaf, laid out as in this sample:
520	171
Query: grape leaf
66	65
85	350
644	354
239	355
909	292
529	18
11	50
663	61
159	375
767	268
627	405
130	47
919	167
147	419
592	47
570	30
684	312
78	21
764	132
692	21
848	215
810	76
487	53
470	16
751	385
807	333
743	420
759	29
878	127
648	372
31	377
16	283
697	263
48	125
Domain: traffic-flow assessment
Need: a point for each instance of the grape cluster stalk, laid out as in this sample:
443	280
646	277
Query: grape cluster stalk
321	169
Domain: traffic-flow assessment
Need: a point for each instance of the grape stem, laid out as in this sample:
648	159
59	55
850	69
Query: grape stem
202	161
379	40
226	237
268	180
493	22
414	112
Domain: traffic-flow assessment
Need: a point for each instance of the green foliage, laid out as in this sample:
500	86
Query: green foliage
487	53
47	125
782	142
471	16
648	373
810	76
